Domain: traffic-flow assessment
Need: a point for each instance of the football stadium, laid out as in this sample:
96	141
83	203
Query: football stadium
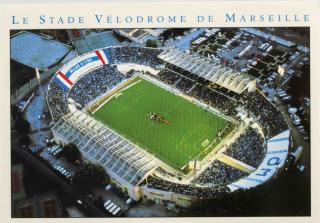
168	125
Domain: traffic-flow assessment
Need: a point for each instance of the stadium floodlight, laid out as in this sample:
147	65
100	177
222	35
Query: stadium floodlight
39	82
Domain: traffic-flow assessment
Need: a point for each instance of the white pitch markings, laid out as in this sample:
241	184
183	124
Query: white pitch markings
113	95
130	85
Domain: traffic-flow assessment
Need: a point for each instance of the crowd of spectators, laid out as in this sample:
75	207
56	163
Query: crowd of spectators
185	189
269	117
248	148
219	174
169	77
164	172
57	101
203	93
95	83
138	55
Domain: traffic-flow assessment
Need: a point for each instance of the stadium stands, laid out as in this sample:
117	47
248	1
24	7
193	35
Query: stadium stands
184	189
190	87
277	151
248	148
269	117
138	55
219	174
94	84
57	101
74	69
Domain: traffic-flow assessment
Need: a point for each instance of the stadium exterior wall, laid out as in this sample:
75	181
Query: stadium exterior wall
165	196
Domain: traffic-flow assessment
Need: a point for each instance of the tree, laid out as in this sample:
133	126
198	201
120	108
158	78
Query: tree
15	112
300	86
72	153
91	175
22	125
166	34
99	203
151	43
25	140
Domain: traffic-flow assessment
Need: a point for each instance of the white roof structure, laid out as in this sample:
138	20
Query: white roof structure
209	70
122	160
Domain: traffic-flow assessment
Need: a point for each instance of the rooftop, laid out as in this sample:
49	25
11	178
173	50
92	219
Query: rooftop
92	41
34	50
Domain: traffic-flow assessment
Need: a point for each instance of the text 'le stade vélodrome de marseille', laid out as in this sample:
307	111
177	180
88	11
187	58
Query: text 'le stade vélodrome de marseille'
110	19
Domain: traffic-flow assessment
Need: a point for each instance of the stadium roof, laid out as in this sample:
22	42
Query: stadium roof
34	50
207	69
122	160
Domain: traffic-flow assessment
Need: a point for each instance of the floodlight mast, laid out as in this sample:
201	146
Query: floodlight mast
42	94
39	82
195	169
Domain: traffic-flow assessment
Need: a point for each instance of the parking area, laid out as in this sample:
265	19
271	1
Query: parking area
270	59
113	203
58	163
246	52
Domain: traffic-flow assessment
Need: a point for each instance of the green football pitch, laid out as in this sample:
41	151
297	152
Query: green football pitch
185	135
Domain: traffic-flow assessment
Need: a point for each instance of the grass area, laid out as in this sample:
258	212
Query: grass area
176	142
254	72
261	65
268	59
222	41
214	47
276	52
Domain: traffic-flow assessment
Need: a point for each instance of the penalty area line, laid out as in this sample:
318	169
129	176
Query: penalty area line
113	95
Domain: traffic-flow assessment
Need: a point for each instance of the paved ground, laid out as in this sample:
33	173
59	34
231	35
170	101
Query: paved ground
297	141
141	210
74	212
109	195
39	127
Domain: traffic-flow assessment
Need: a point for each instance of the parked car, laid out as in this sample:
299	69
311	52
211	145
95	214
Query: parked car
108	187
112	208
